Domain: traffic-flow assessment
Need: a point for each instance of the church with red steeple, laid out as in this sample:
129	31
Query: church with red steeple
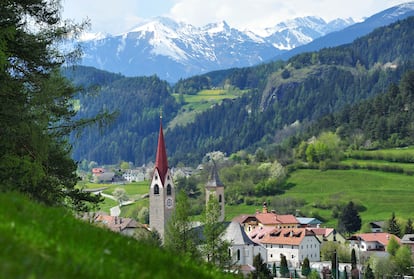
162	190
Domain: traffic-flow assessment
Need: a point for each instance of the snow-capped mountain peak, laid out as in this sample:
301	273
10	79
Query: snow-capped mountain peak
175	50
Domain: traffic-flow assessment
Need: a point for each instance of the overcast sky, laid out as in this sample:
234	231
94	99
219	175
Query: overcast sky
118	16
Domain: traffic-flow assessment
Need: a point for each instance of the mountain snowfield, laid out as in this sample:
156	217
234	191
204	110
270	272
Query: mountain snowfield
174	50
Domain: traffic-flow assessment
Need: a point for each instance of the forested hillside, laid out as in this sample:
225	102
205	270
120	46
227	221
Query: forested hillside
383	121
305	88
132	133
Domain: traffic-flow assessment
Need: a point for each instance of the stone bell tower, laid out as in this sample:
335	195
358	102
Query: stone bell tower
215	187
162	191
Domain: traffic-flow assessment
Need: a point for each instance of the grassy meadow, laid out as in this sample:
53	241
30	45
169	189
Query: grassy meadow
203	100
46	242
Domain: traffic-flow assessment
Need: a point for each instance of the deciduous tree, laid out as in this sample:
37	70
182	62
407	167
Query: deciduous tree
179	237
215	248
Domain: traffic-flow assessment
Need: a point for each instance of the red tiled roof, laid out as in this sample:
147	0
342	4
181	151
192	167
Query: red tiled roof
259	233
286	236
381	237
242	218
161	163
271	218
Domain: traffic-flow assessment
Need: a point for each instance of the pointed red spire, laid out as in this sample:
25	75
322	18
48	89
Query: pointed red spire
161	163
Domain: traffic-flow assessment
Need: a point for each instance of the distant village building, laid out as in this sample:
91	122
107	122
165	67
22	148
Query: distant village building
328	234
125	226
100	175
295	244
135	175
162	190
368	244
408	240
377	226
267	219
306	222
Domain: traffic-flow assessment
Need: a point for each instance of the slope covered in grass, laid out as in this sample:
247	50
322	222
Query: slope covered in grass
43	242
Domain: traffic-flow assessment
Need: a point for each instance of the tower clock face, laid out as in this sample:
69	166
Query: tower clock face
169	202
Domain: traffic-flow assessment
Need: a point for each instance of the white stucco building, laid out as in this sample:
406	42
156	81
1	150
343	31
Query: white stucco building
295	244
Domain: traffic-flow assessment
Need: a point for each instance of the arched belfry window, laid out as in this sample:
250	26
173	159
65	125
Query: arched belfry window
156	189
238	254
220	198
168	190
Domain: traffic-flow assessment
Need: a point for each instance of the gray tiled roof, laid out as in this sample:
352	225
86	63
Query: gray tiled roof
236	234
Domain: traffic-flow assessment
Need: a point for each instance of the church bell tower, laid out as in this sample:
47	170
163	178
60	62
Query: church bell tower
162	191
215	187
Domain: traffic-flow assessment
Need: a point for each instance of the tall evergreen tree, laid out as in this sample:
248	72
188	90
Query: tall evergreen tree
261	271
306	267
393	226
349	220
354	267
369	274
284	270
36	111
409	227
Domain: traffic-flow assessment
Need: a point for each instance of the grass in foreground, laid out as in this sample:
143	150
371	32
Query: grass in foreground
43	242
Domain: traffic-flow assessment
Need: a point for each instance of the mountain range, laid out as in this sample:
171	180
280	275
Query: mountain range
175	50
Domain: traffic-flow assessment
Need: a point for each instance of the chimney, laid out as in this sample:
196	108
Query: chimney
264	207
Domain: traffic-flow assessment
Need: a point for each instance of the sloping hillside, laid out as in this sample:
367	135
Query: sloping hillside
44	242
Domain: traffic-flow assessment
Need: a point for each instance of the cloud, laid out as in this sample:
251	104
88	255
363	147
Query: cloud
122	15
265	13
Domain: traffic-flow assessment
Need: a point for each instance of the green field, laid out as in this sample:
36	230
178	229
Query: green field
380	193
203	100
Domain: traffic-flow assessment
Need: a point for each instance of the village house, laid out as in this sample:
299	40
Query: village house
306	222
377	226
408	239
135	175
328	234
267	219
125	226
295	244
368	244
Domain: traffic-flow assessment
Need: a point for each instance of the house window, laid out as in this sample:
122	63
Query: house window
156	189
168	190
238	254
280	246
220	198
